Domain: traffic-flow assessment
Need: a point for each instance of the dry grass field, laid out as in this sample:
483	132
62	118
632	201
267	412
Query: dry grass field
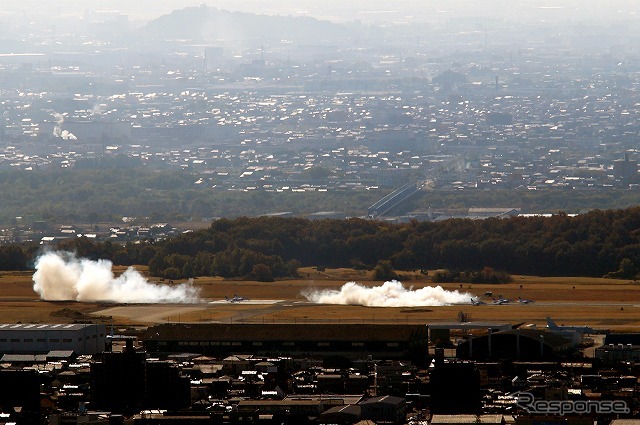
602	303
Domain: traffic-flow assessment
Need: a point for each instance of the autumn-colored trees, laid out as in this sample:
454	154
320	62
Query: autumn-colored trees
593	244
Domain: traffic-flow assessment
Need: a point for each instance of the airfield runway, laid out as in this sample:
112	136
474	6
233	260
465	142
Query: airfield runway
216	311
602	315
600	303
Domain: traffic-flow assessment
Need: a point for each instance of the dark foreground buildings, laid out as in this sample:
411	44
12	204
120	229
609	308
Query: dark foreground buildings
347	340
128	382
314	374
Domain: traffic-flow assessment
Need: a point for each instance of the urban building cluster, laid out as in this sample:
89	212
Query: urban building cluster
47	234
464	138
315	374
461	115
464	105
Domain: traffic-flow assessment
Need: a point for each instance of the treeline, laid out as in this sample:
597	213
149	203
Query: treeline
14	257
486	275
593	244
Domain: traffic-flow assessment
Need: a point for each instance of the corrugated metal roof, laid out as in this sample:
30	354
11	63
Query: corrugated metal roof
23	358
625	422
60	354
348	409
262	403
386	399
466	419
470	325
46	327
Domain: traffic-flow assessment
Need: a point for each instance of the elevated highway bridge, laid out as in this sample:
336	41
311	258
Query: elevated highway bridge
392	200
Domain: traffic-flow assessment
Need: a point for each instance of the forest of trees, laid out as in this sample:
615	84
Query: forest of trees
598	243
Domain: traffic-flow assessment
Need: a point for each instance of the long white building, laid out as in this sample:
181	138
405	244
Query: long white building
42	338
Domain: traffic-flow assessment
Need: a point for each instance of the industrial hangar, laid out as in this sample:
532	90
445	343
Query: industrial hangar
390	341
518	344
348	340
42	338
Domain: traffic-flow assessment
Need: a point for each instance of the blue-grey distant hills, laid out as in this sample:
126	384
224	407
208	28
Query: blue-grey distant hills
204	24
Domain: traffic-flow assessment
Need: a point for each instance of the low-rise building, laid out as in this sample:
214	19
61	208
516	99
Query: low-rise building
43	338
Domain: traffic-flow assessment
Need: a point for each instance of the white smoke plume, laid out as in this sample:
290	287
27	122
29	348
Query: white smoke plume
61	276
67	135
57	129
390	294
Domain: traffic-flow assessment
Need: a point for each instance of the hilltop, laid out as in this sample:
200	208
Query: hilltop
206	24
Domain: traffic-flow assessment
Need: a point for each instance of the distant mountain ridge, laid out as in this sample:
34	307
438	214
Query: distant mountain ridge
205	24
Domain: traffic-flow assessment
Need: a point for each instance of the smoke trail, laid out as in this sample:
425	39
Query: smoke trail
390	294
57	129
62	276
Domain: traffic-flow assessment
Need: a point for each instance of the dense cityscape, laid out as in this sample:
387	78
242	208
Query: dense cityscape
479	112
439	145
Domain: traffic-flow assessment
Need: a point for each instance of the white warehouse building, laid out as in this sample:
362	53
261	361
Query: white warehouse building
42	338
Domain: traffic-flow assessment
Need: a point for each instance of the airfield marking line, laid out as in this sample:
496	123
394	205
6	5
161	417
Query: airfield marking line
245	302
152	313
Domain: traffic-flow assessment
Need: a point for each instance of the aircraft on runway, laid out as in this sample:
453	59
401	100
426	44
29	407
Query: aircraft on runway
236	299
525	301
551	325
477	301
501	301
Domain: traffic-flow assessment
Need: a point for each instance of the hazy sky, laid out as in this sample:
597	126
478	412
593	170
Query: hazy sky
341	10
